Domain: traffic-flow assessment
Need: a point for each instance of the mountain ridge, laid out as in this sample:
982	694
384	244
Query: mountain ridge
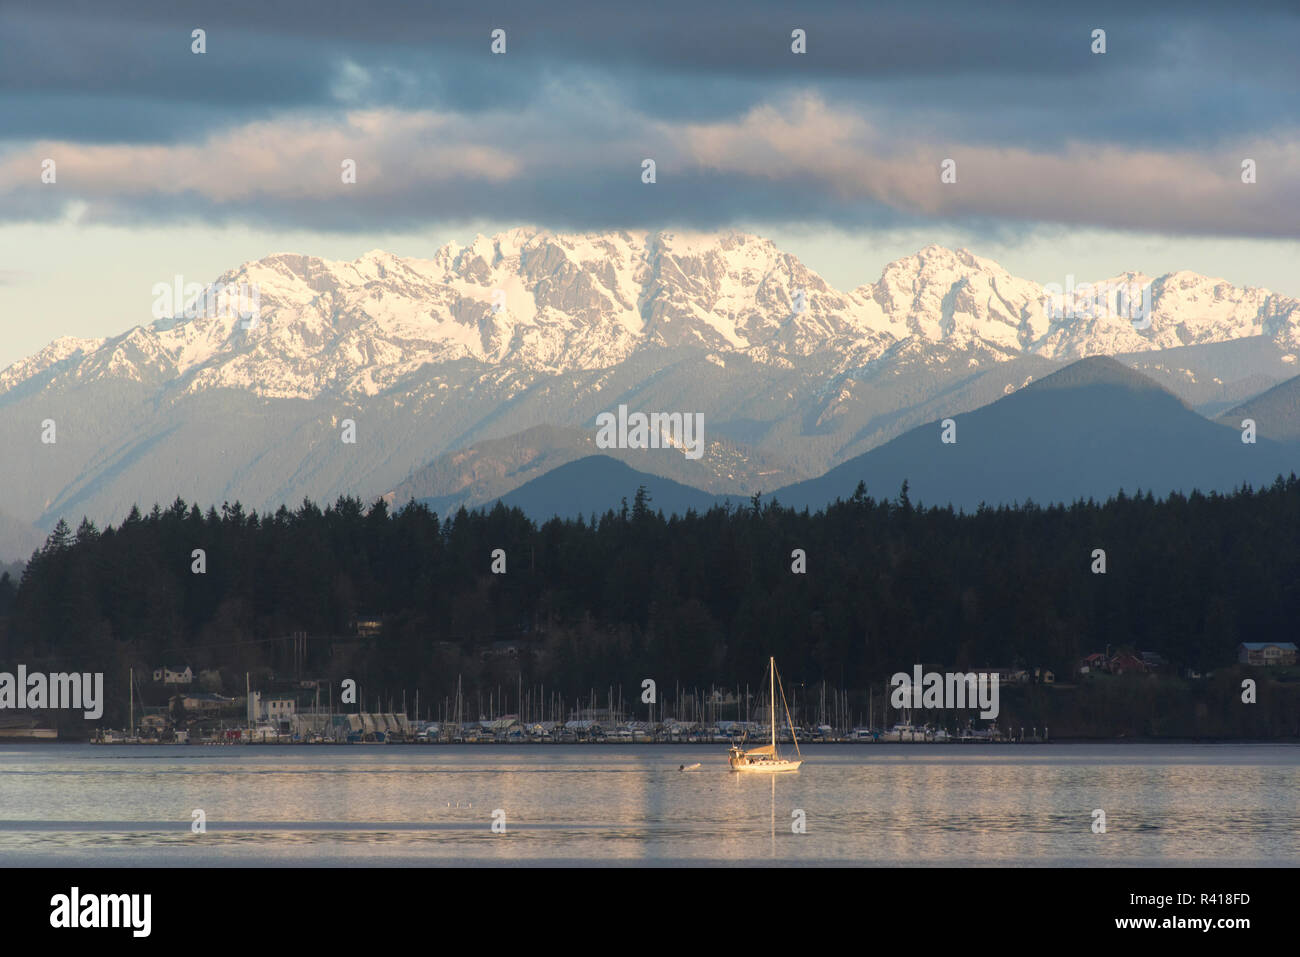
1087	431
1276	412
533	300
421	359
1094	429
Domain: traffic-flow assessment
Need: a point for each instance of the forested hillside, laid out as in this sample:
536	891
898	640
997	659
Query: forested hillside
695	601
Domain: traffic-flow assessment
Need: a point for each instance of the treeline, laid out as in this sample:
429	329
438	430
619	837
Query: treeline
694	601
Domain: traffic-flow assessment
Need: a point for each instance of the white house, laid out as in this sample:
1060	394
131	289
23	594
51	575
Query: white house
173	676
272	709
1266	653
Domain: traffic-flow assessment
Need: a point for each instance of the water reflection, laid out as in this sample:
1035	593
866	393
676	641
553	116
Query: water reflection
870	804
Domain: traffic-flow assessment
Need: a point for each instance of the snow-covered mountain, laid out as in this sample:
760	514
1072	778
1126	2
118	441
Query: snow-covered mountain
531	328
530	300
526	300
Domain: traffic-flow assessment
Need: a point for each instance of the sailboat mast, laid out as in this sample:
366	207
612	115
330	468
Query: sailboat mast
772	693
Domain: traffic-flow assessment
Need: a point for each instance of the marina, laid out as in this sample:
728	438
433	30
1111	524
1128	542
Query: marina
391	730
692	718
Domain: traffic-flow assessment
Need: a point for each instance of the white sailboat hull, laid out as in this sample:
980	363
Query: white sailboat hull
764	767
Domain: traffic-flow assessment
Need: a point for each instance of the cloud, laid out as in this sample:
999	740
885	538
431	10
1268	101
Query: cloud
846	158
1148	136
1015	69
274	162
799	160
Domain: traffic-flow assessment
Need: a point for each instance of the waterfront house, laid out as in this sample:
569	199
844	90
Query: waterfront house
1125	663
1266	653
276	709
173	676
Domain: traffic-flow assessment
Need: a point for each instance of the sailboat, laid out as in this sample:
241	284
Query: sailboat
767	758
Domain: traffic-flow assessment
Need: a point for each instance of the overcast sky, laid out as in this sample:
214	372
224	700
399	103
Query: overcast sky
1068	162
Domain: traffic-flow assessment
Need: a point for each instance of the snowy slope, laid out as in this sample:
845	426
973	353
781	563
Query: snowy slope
530	300
482	343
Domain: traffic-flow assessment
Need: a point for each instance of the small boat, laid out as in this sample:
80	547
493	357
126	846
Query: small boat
689	767
767	758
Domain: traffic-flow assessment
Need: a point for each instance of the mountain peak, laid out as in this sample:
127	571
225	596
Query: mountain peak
936	256
1095	370
530	300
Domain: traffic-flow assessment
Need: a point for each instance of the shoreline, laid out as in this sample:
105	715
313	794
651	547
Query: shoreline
48	742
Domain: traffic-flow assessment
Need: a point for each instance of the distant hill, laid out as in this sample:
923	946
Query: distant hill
18	540
1216	376
1276	412
483	472
596	484
1089	430
487	470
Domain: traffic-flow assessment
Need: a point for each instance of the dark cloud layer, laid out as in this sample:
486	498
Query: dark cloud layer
1186	66
1179	80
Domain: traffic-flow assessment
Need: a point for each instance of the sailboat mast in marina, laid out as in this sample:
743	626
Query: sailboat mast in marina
767	759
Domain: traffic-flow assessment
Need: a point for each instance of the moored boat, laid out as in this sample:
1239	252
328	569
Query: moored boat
766	758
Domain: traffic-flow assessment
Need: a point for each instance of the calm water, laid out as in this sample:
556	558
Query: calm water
872	804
